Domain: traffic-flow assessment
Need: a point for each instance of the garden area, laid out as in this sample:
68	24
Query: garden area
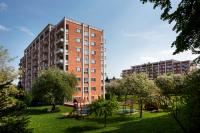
42	122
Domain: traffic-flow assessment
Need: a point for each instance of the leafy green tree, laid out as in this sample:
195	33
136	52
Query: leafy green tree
103	108
53	85
138	84
115	88
127	86
186	17
191	93
166	84
172	87
13	118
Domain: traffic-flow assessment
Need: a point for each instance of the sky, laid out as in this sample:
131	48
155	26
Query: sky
134	32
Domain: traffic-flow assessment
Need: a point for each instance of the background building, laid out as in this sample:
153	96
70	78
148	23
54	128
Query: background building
162	67
73	47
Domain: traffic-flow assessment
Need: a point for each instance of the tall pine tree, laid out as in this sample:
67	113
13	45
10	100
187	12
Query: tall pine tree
13	118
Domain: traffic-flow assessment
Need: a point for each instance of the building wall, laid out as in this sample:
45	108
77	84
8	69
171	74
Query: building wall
57	45
163	67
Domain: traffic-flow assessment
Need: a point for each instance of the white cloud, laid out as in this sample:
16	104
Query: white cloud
3	28
26	30
3	6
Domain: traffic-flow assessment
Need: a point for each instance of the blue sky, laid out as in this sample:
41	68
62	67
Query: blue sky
134	32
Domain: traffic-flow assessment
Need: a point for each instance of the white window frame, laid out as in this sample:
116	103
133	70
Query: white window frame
78	69
93	52
93	43
78	59
78	40
93	70
93	35
93	61
78	49
78	30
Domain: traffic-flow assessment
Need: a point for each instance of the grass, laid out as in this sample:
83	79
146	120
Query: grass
43	122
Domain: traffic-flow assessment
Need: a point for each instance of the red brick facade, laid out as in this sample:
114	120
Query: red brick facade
72	46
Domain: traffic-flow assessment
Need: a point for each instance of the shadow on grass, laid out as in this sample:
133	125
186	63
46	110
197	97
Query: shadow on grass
162	124
113	119
37	111
78	129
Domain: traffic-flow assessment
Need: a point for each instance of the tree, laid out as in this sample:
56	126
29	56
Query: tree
115	88
138	84
166	84
186	18
13	118
191	110
127	86
105	108
172	87
53	85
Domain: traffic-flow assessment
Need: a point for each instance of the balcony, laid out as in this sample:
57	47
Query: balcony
60	51
60	41
60	61
45	58
61	30
45	50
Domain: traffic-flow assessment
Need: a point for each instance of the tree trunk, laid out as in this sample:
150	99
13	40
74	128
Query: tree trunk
53	107
141	107
125	102
105	120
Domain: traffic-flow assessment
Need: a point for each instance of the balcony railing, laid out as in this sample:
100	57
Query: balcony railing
61	61
60	51
60	41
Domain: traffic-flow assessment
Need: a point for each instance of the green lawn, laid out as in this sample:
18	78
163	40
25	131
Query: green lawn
55	123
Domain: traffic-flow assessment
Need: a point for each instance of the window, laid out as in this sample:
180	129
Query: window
93	70
93	34
86	43
93	61
78	49
78	78
78	88
93	52
78	69
86	33
93	43
86	80
86	61
86	89
93	79
78	30
93	88
78	59
86	70
78	40
86	51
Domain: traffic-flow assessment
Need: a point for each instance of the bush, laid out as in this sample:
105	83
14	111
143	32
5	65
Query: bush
28	99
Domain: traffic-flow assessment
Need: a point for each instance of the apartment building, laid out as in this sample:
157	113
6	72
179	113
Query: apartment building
73	47
162	67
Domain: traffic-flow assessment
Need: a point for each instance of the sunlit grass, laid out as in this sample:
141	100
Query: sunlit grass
43	122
